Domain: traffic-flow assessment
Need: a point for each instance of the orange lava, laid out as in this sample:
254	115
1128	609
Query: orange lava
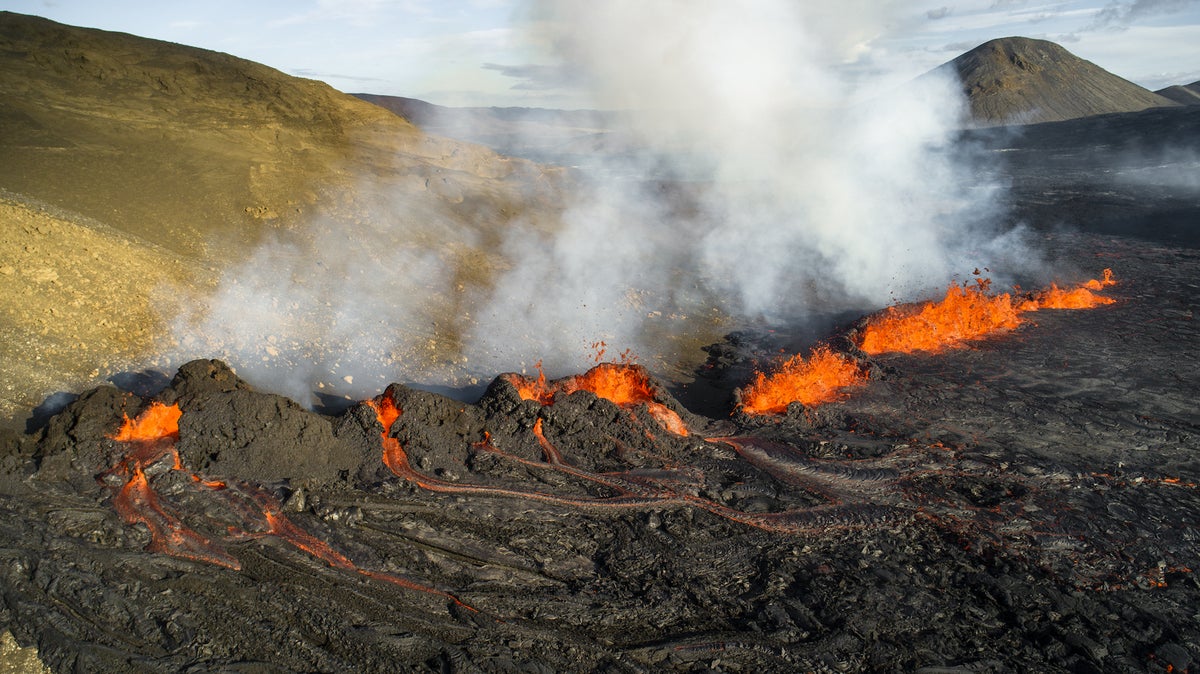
963	314
1082	297
137	502
151	438
969	313
155	423
393	454
282	527
1101	284
625	384
1077	298
821	378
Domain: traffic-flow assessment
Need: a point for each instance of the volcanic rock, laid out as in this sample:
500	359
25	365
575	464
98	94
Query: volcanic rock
1024	502
1016	80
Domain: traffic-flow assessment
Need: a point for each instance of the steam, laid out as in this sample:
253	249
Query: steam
778	173
339	309
813	191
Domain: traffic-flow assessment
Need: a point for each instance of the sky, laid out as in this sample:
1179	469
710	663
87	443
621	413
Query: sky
489	52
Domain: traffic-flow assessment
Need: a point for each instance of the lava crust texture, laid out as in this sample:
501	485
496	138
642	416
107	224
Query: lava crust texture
1025	503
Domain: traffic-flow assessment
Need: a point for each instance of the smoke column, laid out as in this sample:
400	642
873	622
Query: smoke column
813	191
793	174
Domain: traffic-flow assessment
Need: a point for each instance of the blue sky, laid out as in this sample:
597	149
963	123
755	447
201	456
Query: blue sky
482	52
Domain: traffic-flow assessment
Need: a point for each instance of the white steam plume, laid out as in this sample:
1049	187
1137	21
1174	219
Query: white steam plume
787	189
815	193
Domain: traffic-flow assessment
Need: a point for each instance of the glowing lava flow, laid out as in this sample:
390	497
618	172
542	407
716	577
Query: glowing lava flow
968	313
151	439
625	384
1076	298
819	379
637	488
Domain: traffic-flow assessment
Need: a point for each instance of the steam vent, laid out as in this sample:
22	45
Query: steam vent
997	473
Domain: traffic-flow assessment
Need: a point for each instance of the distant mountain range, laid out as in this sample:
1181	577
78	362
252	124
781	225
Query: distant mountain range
1012	80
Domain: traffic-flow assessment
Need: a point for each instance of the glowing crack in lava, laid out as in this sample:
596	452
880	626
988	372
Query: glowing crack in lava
822	378
645	487
151	439
625	384
914	481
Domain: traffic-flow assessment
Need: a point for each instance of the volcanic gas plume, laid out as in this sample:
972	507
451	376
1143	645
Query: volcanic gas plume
768	184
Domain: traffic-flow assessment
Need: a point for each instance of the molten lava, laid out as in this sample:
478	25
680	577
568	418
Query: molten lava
393	454
157	422
963	314
969	313
151	438
625	384
821	378
1077	298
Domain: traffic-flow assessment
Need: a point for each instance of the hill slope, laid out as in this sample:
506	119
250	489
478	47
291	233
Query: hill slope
1184	94
142	150
1016	80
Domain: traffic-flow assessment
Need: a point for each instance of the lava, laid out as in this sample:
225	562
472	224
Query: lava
964	313
157	422
642	488
1076	298
151	438
820	378
1081	297
626	384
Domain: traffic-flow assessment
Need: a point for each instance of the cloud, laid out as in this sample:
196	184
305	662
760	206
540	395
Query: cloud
535	77
939	13
320	75
1120	15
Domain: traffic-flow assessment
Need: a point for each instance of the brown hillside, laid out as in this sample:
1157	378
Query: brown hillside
1184	94
1016	80
128	163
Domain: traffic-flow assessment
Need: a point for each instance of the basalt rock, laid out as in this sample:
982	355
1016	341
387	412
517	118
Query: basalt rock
1025	502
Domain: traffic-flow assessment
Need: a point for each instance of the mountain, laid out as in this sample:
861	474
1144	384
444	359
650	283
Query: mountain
555	136
1017	80
129	166
1184	94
